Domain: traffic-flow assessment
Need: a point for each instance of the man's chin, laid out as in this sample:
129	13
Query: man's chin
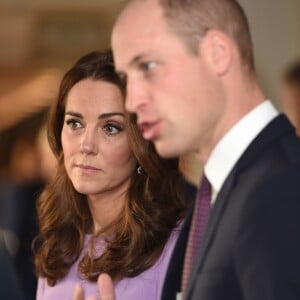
165	150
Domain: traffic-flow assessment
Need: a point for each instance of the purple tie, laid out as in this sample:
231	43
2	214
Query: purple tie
199	221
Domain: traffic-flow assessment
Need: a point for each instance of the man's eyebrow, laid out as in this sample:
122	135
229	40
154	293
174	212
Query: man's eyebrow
136	59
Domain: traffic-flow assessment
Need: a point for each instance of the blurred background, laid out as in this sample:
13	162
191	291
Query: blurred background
39	40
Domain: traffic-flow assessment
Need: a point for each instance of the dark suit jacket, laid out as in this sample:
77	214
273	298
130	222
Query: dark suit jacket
9	285
251	248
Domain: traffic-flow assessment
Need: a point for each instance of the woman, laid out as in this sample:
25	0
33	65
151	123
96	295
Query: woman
114	205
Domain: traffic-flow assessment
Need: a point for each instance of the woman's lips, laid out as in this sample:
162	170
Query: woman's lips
87	168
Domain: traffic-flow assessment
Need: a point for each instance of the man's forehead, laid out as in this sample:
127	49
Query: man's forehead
136	23
139	15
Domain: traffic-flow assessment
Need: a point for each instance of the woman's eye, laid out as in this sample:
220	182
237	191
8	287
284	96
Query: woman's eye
112	129
73	124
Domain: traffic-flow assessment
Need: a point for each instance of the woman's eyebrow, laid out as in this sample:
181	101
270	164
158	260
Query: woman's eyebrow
111	114
101	116
74	114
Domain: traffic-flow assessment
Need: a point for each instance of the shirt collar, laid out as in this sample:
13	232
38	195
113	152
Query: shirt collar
230	148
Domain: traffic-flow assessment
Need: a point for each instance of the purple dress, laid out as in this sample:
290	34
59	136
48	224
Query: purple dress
147	285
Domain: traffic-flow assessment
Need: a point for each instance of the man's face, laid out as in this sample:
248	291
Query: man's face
168	87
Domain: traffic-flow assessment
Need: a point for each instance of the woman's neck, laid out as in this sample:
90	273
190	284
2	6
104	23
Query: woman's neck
106	207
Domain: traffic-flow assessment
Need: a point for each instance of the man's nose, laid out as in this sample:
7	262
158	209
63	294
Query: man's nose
136	95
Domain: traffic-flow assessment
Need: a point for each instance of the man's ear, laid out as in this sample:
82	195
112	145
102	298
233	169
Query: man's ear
218	49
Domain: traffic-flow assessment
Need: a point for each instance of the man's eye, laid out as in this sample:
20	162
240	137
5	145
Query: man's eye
147	66
73	124
123	77
112	129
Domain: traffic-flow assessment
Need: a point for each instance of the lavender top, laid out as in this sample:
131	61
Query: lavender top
147	285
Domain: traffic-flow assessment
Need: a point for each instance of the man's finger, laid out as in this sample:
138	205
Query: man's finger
106	287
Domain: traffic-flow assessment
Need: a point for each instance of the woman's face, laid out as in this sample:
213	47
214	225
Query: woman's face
97	156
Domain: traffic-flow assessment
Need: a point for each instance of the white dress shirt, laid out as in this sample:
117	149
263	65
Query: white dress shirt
231	147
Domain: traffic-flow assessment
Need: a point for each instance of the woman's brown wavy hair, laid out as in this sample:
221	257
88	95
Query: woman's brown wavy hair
153	208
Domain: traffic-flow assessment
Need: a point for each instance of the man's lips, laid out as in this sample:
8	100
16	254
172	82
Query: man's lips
150	130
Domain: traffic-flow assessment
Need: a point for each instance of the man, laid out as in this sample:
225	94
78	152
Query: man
191	81
290	94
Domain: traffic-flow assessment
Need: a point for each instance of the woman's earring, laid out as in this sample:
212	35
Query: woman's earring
139	170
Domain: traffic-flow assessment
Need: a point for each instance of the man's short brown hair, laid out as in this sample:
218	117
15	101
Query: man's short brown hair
191	19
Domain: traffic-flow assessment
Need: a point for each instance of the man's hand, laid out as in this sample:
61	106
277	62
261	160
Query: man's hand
105	286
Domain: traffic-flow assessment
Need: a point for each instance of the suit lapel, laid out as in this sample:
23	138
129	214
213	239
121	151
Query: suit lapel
214	219
278	127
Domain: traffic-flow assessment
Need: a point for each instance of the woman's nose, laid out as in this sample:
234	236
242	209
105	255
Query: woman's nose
88	143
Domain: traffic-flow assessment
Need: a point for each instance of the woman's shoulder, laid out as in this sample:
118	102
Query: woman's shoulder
165	256
173	237
148	285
